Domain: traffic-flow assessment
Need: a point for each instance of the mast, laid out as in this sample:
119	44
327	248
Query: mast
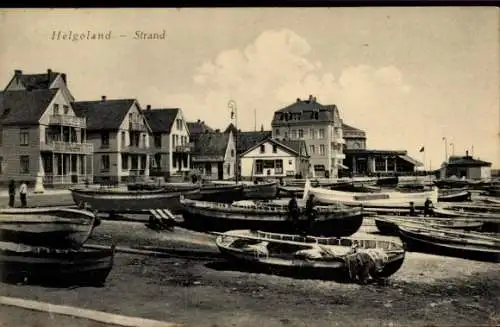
234	114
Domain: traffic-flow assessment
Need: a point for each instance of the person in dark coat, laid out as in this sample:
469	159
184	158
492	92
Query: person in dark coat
412	209
310	214
12	193
294	212
428	208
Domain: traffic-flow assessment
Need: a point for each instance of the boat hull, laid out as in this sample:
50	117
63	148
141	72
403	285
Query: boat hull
43	266
55	228
456	197
124	201
222	220
418	243
263	191
389	226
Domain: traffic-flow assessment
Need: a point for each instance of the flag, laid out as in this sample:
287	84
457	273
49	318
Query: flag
421	149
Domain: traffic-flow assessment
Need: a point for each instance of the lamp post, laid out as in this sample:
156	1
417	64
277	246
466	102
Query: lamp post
234	114
445	149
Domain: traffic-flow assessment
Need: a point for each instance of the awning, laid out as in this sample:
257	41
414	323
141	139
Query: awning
414	162
341	166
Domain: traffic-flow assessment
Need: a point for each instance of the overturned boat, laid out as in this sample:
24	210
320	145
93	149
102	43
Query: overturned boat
446	242
48	266
122	200
335	220
381	199
49	227
326	256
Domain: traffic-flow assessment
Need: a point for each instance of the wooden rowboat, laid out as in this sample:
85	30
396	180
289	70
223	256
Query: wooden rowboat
251	191
48	266
467	245
381	199
50	227
119	200
326	256
268	216
389	225
454	195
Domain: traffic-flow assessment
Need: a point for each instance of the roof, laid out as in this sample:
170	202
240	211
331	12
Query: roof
350	129
24	107
231	128
374	152
36	81
161	120
467	161
247	140
103	115
210	146
293	146
414	162
198	127
305	110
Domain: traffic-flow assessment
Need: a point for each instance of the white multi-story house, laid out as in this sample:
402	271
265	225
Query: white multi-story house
170	142
320	126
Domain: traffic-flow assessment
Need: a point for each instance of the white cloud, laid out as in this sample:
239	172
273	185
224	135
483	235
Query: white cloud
277	68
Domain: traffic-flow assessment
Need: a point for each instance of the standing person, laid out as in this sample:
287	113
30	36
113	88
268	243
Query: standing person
412	209
23	191
12	193
310	214
428	208
293	212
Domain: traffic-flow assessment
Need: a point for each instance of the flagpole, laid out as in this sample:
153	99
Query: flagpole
445	149
234	111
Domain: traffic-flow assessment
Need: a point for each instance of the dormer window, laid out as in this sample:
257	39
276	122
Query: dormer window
66	109
56	109
275	148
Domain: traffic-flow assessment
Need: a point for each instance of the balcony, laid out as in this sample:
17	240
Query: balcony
67	120
67	147
137	126
137	150
66	179
186	148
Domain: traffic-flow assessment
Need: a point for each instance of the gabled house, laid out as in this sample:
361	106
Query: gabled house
246	140
42	138
40	81
169	141
214	155
466	167
273	158
198	127
120	136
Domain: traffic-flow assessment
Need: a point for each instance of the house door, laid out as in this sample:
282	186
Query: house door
220	171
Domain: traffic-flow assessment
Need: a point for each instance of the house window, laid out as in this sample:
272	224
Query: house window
311	149
143	140
123	139
322	149
312	131
158	140
124	161
289	162
321	133
1	165
56	109
105	162
24	137
232	153
24	164
258	167
277	132
275	148
66	109
262	148
208	168
104	140
157	160
278	170
174	140
379	164
301	133
229	169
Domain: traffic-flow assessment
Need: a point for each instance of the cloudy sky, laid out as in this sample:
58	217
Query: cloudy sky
407	76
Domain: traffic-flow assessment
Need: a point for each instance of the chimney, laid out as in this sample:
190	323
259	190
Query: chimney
198	121
49	72
148	107
17	74
63	76
262	127
103	98
310	97
217	130
466	153
298	99
314	99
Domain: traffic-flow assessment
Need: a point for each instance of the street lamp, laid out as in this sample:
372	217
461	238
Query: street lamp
234	114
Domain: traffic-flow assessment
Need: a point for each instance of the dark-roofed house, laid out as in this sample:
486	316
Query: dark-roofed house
169	141
466	167
214	155
380	162
40	81
120	134
246	140
320	126
42	139
198	127
275	159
